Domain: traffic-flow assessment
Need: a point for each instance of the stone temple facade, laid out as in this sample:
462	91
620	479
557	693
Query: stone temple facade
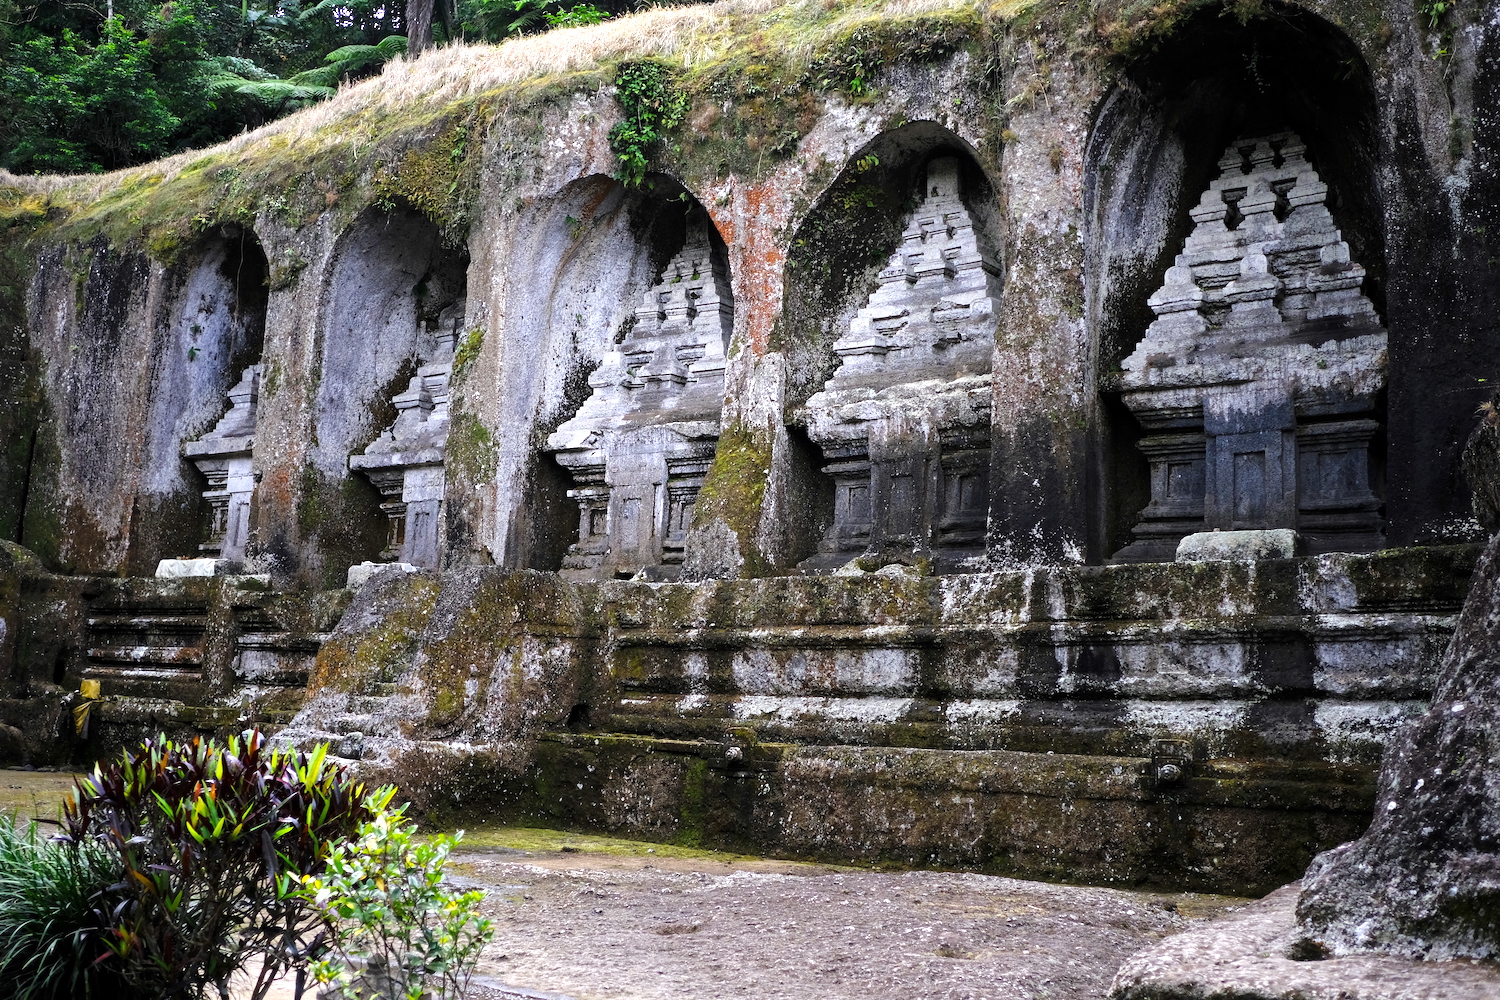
866	483
904	422
1258	383
639	447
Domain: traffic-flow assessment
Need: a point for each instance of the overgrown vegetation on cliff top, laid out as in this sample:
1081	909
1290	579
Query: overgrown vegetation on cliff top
417	130
358	147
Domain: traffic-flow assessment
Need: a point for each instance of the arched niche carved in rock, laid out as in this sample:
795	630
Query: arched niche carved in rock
394	306
211	357
640	443
890	353
1155	149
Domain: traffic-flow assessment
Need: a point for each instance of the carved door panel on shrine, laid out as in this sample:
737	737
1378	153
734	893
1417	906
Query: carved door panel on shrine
1252	482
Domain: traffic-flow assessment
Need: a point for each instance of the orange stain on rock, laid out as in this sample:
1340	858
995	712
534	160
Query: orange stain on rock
750	233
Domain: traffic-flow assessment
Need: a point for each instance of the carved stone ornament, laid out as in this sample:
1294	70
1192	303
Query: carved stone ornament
904	423
640	446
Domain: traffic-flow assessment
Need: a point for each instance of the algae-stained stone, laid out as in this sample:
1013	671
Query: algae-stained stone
1424	880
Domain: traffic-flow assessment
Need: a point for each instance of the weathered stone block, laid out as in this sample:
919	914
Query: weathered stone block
1207	546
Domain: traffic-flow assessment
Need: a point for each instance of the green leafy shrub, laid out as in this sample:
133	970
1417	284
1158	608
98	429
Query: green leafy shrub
401	934
653	106
577	16
212	843
48	925
497	20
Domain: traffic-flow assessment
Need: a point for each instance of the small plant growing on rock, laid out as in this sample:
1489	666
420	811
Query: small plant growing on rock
653	107
400	933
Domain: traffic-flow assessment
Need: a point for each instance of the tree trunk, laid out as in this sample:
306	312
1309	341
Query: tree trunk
418	25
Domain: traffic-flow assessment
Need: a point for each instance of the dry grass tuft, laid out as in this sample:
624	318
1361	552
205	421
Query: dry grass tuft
33	183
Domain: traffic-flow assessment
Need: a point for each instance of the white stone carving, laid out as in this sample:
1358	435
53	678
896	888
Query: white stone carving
223	456
405	463
935	306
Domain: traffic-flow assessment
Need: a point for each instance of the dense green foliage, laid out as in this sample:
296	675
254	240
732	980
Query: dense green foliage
87	89
653	106
47	920
210	844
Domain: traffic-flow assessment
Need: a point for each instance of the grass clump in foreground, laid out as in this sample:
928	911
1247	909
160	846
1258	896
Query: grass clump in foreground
48	931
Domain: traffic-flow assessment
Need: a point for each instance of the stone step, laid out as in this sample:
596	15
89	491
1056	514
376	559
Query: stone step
169	656
148	621
350	723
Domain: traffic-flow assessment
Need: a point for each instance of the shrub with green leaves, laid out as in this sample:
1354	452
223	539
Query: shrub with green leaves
579	15
212	842
401	934
48	926
653	106
497	20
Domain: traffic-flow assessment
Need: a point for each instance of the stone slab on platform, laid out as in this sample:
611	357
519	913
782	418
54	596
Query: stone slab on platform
1239	546
175	569
1244	956
360	573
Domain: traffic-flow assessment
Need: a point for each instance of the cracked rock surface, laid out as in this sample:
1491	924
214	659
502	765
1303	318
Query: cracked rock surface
1424	880
1247	955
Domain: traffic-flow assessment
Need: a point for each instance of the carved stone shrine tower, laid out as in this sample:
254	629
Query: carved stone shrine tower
1258	384
223	456
406	462
904	423
639	447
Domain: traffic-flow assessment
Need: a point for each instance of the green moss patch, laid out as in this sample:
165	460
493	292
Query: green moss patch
383	652
539	840
735	489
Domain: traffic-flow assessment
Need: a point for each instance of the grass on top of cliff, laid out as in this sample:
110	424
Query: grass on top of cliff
332	155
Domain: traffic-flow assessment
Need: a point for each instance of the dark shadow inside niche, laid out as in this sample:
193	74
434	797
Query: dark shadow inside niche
809	494
1123	467
849	235
578	718
1158	137
248	272
554	515
619	241
395	302
1154	149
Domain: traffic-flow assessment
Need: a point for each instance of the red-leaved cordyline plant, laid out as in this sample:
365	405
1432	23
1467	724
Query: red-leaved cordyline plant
213	841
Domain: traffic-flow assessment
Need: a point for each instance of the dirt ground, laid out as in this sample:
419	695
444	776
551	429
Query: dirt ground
600	918
34	795
688	926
